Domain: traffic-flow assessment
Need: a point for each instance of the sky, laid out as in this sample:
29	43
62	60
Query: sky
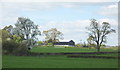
69	17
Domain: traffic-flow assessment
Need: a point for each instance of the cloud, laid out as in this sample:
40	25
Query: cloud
112	22
71	29
26	6
10	11
59	0
110	10
69	5
66	25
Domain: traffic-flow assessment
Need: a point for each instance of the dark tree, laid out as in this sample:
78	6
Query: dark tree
98	33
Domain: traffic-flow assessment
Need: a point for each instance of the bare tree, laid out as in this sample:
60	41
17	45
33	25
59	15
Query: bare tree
53	35
98	33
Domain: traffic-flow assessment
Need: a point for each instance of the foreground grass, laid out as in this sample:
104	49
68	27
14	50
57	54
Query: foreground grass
57	62
60	50
60	61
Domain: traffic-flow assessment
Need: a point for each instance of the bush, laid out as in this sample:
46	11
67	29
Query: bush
78	45
11	47
40	43
50	45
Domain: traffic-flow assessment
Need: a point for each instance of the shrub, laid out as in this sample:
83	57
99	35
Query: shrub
11	47
40	43
78	45
50	45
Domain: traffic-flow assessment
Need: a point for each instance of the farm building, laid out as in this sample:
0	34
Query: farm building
70	43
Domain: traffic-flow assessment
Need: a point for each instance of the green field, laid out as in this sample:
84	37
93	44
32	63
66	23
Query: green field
57	50
59	61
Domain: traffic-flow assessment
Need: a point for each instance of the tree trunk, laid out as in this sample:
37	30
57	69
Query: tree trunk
27	36
98	48
28	44
52	44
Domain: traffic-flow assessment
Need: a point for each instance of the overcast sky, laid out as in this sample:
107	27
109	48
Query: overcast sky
71	18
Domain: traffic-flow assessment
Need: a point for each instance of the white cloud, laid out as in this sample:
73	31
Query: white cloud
112	6
112	22
110	10
69	5
9	8
71	29
75	26
26	6
59	0
67	25
10	11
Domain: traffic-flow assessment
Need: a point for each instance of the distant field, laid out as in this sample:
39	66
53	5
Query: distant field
55	50
57	62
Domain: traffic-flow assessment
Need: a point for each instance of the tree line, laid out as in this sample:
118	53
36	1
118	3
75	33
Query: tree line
22	37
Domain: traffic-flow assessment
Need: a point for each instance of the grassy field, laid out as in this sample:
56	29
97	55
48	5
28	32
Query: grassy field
57	62
57	50
60	61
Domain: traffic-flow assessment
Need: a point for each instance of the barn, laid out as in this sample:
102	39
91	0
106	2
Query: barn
70	43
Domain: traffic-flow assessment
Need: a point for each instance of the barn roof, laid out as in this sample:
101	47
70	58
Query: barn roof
71	42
